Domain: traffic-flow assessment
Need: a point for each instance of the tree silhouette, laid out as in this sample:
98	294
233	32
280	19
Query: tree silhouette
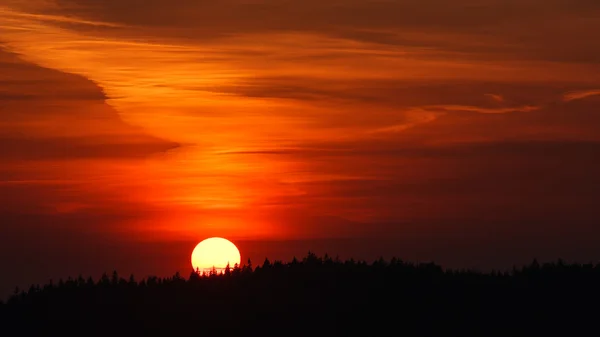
316	296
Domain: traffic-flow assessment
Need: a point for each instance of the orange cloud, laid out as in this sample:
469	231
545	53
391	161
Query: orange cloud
495	97
575	95
386	82
15	16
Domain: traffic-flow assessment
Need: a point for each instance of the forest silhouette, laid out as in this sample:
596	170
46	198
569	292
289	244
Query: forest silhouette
316	296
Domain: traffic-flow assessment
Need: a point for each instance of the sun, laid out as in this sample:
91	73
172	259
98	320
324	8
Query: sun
215	252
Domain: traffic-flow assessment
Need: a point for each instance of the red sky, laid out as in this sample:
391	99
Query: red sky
464	132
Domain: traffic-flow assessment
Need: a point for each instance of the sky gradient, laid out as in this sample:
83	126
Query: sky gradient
460	131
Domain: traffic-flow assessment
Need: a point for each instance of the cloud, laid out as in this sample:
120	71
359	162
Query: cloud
360	109
65	151
495	97
16	15
490	28
79	148
575	95
301	65
424	183
51	115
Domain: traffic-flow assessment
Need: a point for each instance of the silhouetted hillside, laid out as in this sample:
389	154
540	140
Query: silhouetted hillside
317	297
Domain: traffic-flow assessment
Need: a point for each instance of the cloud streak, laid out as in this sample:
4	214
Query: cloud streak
15	16
575	95
340	108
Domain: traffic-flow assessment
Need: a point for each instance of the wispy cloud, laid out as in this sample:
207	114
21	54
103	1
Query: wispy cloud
575	95
13	16
243	78
495	97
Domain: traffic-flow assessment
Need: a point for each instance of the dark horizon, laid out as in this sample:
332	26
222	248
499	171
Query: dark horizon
316	293
40	270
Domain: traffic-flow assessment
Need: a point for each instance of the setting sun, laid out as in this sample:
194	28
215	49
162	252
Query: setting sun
215	252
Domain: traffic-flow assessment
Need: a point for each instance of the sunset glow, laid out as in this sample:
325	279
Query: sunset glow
435	122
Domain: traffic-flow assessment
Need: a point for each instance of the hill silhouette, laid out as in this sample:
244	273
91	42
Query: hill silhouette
316	296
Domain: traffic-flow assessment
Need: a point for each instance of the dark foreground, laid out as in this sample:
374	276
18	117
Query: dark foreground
318	297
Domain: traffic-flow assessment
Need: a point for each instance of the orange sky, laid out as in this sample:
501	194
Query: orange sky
169	120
